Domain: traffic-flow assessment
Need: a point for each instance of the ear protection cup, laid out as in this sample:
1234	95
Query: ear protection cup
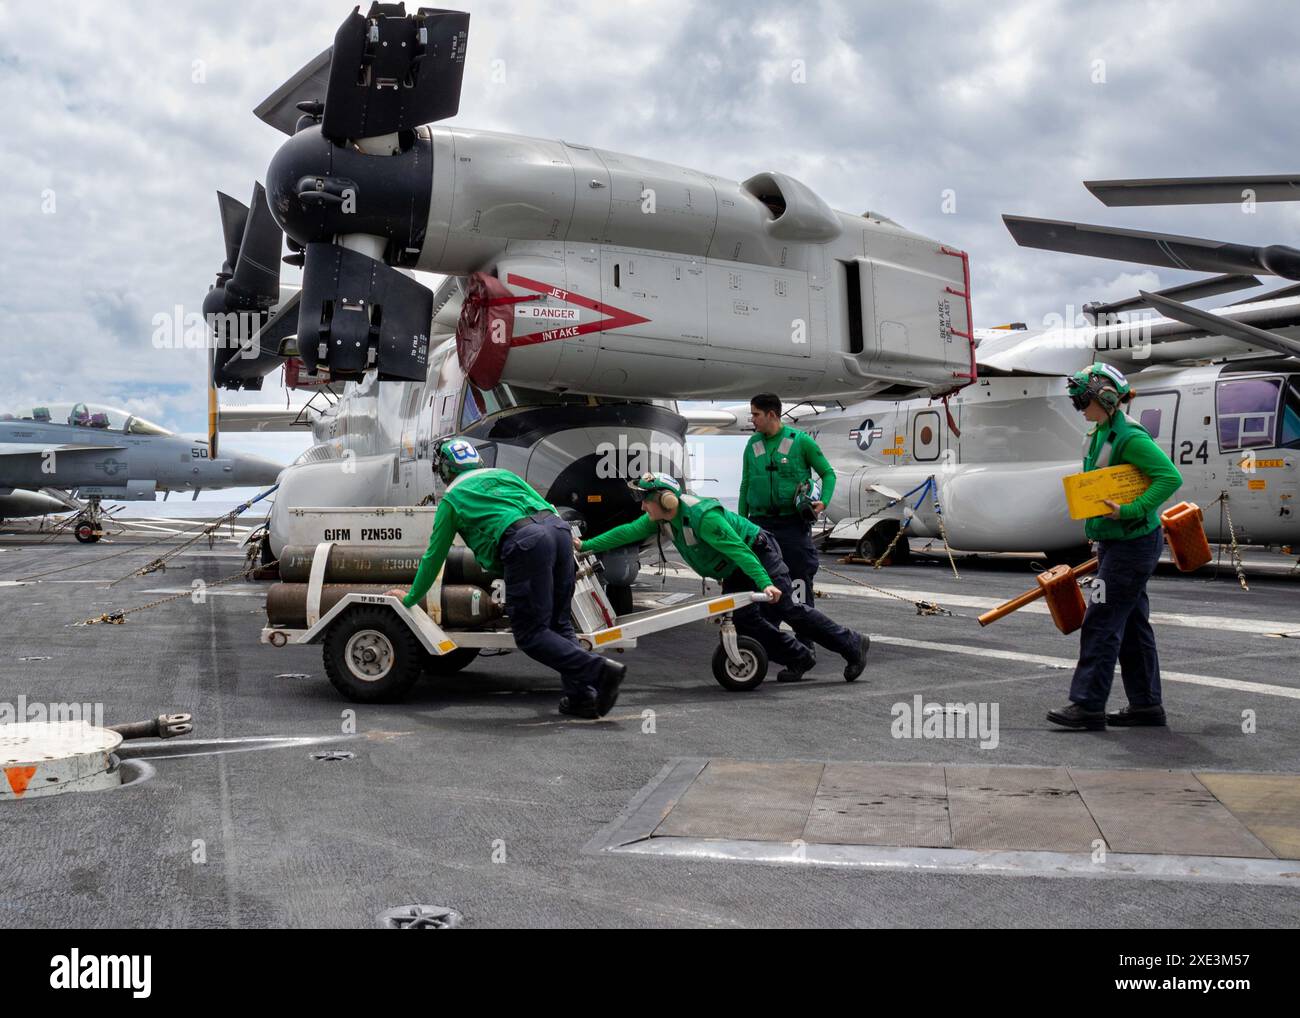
668	502
1103	383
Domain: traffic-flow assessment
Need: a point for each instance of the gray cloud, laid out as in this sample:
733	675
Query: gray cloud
129	117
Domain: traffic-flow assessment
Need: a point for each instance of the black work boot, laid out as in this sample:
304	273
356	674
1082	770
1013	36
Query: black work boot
797	672
611	677
579	707
1152	715
1075	716
857	663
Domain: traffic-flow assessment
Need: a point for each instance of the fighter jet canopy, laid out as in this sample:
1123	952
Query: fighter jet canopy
91	415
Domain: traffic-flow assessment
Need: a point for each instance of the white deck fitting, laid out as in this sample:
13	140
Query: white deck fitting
40	758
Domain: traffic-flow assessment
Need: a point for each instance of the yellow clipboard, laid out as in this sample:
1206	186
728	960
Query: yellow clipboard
1085	493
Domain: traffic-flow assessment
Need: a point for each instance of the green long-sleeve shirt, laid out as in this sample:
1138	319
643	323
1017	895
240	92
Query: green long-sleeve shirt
1130	444
479	506
770	492
710	539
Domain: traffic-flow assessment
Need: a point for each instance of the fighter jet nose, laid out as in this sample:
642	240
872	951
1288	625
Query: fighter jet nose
254	471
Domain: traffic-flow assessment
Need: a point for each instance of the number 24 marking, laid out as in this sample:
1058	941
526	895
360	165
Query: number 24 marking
1186	457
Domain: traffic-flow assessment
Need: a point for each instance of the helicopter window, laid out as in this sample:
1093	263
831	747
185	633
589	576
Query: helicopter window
470	410
1150	419
1290	437
474	406
1248	412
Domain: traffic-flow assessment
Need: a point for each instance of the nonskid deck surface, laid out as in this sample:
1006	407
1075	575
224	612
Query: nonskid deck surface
291	807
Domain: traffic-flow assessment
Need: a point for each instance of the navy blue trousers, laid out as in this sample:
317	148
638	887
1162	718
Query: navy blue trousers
794	537
537	558
763	621
1116	627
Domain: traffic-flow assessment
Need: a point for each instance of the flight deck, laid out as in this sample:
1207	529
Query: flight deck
931	792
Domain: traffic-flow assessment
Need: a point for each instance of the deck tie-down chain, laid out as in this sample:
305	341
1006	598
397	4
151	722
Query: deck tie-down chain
927	608
927	488
1237	562
118	617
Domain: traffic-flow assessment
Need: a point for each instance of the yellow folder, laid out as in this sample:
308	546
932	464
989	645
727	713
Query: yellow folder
1085	493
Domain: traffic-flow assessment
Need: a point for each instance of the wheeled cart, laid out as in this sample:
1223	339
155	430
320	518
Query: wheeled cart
375	648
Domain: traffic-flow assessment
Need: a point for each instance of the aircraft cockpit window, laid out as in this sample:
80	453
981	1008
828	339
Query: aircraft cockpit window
80	416
471	409
1291	414
1248	412
139	426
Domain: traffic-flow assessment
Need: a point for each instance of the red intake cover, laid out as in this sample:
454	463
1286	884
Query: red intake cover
486	326
296	378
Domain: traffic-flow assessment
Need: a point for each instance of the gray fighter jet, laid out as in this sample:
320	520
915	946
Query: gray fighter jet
70	457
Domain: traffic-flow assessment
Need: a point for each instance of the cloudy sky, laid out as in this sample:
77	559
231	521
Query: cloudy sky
123	119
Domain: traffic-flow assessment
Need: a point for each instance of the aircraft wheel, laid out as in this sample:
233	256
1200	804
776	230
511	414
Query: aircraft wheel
448	664
85	532
872	545
746	676
371	656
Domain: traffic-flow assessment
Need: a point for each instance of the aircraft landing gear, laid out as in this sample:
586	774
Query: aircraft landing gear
88	527
874	544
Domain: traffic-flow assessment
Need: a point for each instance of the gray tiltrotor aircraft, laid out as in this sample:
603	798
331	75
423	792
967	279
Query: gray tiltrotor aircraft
101	453
585	290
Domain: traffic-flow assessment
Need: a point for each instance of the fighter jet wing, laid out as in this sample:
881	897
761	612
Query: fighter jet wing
38	449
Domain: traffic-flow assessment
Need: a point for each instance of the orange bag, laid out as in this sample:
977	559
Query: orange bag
1185	531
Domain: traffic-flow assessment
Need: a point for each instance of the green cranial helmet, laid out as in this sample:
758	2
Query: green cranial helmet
648	483
1106	384
455	457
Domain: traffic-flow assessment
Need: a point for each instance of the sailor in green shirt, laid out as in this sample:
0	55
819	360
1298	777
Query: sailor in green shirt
727	547
512	530
1116	626
776	492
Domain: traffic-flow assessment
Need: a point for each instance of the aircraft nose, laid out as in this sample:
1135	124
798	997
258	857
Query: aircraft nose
254	471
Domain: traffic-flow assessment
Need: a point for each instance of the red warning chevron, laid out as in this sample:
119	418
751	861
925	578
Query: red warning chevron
616	318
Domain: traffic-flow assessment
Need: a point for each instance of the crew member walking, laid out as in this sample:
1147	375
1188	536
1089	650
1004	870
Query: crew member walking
512	530
1128	540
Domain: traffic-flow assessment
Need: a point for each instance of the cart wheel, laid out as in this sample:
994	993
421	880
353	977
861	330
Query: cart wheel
85	533
742	678
449	664
371	656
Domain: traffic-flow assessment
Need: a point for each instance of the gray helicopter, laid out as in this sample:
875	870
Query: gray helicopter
70	457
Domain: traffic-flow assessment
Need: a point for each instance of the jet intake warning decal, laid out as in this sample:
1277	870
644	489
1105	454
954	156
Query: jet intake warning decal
615	318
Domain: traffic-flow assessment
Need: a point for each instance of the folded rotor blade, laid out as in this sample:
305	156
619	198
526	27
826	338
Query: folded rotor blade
1213	323
1160	249
1195	190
